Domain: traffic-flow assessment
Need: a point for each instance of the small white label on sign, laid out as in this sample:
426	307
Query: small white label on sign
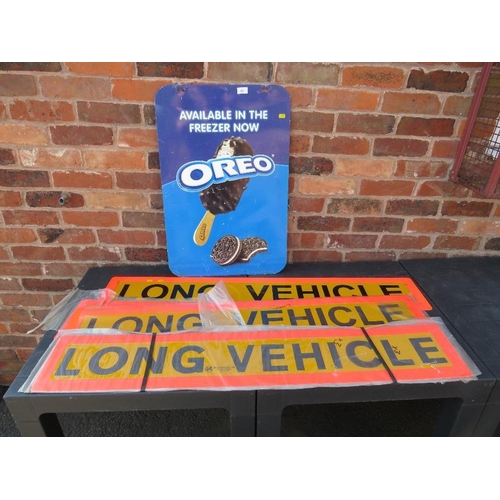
242	90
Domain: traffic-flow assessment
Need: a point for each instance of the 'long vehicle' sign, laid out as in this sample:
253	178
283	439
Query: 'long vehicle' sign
268	288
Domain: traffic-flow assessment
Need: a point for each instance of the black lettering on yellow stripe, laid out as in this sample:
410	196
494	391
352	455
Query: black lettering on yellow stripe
179	290
268	357
422	350
315	354
395	361
157	364
62	369
308	318
267	316
255	295
364	318
336	289
301	293
240	364
136	322
155	291
332	314
386	289
281	291
155	322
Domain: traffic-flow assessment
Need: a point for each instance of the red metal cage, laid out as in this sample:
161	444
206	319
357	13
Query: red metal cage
477	164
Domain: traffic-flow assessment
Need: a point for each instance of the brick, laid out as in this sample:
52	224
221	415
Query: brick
240	72
108	112
153	160
310	165
38	253
17	85
351	100
341	145
21	269
311	121
156	201
8	355
42	111
30	217
377	225
190	70
442	189
62	236
91	219
386	188
302	204
9	284
123	160
417	169
319	223
30	66
455	243
320	185
17	235
456	105
418	255
404	242
412	207
102	68
492	244
373	76
307	73
352	206
94	180
10	367
15	133
487	227
399	147
316	256
364	167
349	241
51	199
26	299
300	97
149	114
438	80
81	135
137	138
75	87
445	149
143	219
310	240
146	254
431	225
7	157
51	157
411	103
94	254
117	200
3	111
47	284
7	379
433	127
369	256
138	180
466	208
126	237
365	123
10	199
137	89
299	144
65	269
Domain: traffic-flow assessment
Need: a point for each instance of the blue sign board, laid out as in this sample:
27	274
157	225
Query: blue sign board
224	160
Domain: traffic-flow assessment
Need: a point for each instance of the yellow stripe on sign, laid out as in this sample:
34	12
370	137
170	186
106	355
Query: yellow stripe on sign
161	317
257	288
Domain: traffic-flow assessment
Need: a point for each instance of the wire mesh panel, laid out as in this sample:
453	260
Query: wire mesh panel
477	165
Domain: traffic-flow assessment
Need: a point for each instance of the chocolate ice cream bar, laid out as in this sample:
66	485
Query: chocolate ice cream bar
223	197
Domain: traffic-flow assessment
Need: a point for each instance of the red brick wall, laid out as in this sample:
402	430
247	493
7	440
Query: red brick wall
371	150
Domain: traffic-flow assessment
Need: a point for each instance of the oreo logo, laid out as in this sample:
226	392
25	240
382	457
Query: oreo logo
198	175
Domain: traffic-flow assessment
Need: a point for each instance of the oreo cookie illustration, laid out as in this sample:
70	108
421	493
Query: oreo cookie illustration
251	247
226	250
